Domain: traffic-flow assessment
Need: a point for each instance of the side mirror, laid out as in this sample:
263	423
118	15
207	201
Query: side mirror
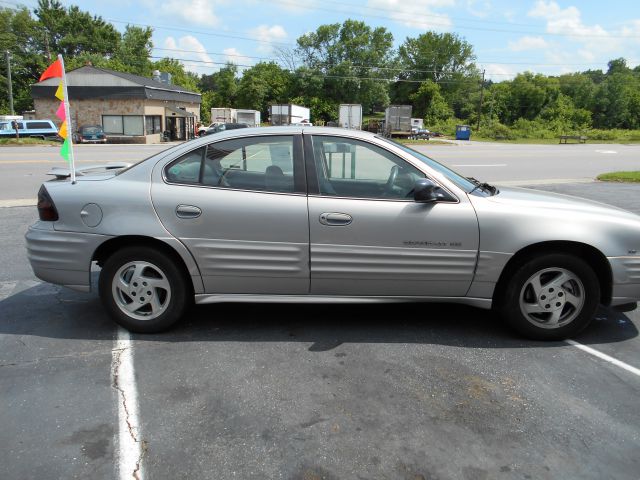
425	191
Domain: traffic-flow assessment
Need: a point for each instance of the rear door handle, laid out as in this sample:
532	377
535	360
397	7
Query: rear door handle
335	219
188	211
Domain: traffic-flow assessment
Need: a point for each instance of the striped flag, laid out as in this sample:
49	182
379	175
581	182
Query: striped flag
56	70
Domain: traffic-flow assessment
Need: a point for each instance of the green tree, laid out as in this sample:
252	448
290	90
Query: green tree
179	76
429	103
263	84
71	32
580	88
443	58
134	51
222	85
350	57
527	95
562	115
616	104
19	36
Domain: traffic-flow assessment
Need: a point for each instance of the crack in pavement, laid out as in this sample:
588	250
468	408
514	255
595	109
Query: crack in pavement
117	361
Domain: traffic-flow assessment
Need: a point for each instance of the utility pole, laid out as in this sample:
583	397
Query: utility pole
480	103
8	58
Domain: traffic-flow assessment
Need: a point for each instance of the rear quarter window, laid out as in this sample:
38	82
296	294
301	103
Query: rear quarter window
38	125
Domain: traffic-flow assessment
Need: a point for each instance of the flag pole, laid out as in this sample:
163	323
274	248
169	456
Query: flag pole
67	111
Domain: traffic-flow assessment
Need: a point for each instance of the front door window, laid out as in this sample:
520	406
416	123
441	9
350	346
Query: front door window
352	168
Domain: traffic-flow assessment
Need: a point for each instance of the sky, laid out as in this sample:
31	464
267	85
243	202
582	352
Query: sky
546	36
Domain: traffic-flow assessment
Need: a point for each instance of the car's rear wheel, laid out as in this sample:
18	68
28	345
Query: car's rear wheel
143	290
551	297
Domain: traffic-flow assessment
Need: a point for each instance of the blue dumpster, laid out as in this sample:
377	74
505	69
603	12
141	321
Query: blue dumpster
463	132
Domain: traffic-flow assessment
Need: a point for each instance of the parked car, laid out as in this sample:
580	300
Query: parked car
296	214
221	127
420	133
203	128
29	129
90	134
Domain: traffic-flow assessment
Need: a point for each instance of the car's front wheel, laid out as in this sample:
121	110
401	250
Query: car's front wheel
143	290
551	297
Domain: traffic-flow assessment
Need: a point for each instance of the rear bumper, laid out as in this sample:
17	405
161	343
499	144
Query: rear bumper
62	258
626	279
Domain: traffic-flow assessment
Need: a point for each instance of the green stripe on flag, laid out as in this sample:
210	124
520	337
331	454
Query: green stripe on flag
65	150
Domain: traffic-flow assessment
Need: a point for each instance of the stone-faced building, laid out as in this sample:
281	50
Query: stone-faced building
130	108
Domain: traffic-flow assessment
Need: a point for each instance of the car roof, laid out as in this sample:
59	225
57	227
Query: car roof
278	130
296	129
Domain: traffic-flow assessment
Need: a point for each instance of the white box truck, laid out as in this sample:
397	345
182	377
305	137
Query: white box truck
223	115
250	117
350	116
288	114
397	120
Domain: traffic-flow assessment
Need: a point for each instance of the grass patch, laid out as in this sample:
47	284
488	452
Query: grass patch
628	177
17	142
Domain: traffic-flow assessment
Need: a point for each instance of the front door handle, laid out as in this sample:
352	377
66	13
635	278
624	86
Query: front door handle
188	211
335	219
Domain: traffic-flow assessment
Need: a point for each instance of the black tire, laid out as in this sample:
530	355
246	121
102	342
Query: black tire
536	325
172	304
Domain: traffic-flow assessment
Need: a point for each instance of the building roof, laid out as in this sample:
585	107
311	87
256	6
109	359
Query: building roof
92	82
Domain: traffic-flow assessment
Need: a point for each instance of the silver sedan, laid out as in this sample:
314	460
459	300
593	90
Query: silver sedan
290	214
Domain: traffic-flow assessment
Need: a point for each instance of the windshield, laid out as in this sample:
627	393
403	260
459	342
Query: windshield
91	130
462	182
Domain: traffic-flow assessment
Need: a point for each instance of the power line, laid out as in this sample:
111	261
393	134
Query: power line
411	16
423	15
462	81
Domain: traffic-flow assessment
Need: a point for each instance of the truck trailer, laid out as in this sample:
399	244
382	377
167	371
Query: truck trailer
250	117
350	116
397	120
289	114
223	115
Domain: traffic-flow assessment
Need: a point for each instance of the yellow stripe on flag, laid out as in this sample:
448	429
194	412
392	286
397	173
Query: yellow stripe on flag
63	130
60	92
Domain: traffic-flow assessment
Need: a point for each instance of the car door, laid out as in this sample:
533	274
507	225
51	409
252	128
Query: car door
240	207
367	234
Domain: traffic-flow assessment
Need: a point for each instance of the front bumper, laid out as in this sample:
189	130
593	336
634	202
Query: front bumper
62	258
626	279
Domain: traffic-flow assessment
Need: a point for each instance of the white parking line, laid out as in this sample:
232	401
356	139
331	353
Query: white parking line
18	202
131	446
605	357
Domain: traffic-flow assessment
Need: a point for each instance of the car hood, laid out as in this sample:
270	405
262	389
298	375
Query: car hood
528	198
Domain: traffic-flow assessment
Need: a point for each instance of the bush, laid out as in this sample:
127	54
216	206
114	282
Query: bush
498	131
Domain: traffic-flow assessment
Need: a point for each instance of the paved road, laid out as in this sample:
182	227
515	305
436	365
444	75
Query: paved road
514	163
23	169
311	392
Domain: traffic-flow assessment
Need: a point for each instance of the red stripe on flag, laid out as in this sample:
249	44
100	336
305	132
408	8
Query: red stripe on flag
54	70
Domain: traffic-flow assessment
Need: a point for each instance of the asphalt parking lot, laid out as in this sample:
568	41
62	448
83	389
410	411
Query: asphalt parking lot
255	391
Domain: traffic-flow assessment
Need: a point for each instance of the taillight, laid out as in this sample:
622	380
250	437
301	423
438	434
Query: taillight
46	208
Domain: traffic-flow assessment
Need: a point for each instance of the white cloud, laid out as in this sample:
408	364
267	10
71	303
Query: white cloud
566	21
191	52
267	35
594	42
232	55
418	14
528	43
194	12
499	73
